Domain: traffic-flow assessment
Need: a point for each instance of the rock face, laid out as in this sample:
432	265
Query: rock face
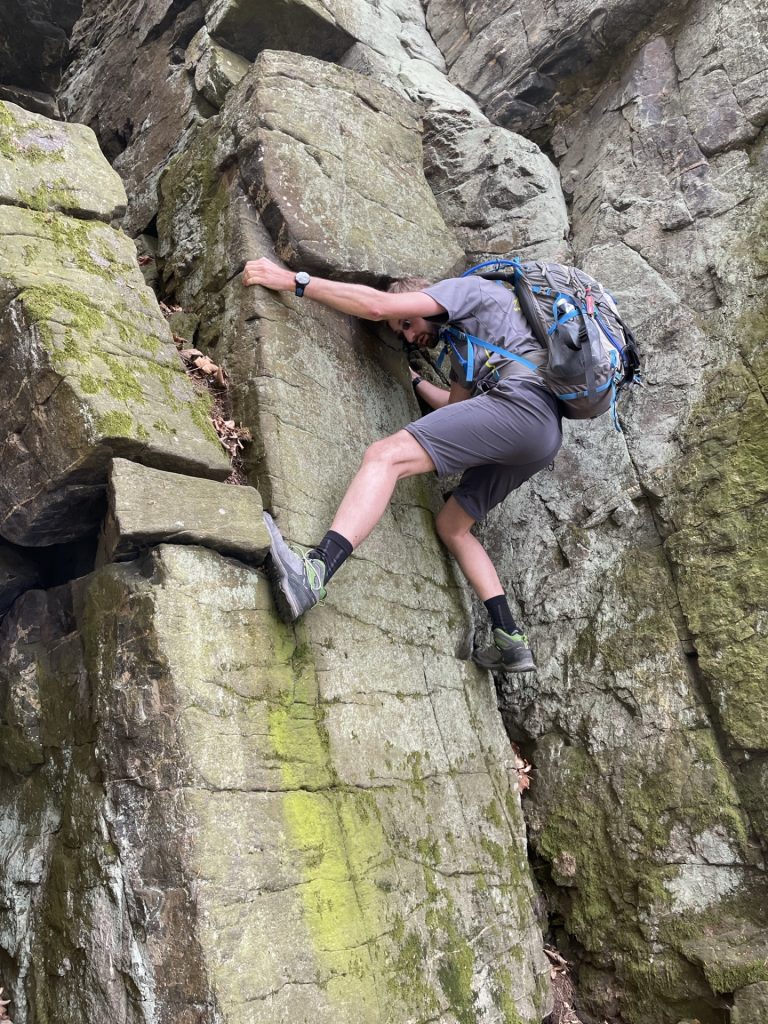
207	816
388	880
190	806
642	572
34	43
93	366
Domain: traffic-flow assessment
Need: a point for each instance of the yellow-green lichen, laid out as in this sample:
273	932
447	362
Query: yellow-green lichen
116	424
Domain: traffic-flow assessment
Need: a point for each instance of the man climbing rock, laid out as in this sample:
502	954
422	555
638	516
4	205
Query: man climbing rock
497	431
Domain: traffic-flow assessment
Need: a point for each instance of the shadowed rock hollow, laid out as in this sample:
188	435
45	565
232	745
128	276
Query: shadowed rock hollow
209	816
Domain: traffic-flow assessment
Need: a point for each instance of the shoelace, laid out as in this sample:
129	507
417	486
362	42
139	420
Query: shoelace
315	576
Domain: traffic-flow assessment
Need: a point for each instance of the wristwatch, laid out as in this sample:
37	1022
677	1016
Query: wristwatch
302	279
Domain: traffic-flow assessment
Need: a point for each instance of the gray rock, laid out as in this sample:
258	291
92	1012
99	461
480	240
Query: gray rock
49	165
215	68
94	373
317	159
146	112
498	191
148	507
302	26
200	787
751	1004
520	60
17	574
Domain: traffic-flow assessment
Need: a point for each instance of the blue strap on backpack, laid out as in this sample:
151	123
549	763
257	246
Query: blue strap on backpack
591	353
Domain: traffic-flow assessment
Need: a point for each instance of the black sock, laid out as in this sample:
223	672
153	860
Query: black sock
501	614
333	550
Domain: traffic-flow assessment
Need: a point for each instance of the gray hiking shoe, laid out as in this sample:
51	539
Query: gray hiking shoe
509	652
297	581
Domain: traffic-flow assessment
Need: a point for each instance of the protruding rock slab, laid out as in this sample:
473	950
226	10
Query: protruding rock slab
17	574
215	68
303	26
50	165
148	507
333	162
92	373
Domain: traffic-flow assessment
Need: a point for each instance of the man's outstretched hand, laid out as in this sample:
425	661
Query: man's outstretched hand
268	275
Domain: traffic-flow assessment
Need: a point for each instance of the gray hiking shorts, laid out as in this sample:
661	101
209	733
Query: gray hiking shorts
499	440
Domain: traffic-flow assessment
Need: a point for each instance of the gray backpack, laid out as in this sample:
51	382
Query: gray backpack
592	354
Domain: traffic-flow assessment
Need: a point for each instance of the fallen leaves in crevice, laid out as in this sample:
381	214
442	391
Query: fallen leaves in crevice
523	768
563	1011
207	376
4	1003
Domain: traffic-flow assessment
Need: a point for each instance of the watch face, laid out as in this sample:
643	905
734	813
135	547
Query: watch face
302	278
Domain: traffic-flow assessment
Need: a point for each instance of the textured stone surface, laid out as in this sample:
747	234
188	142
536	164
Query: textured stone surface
215	68
150	106
312	27
396	605
519	61
17	574
751	1005
94	374
639	564
148	507
221	839
47	165
498	191
333	163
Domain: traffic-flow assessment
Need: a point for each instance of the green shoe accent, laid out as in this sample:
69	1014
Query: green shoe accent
509	652
297	580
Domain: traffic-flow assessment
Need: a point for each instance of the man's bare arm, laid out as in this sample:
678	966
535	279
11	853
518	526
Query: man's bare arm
356	299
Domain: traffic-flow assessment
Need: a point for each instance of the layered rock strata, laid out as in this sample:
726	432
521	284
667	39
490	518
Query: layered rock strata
211	816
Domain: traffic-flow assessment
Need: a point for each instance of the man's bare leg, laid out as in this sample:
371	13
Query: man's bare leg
510	651
453	525
298	580
395	457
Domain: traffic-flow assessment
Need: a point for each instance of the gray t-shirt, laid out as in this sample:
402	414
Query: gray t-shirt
489	310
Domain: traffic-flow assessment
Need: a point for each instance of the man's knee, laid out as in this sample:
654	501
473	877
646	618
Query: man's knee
381	453
453	523
400	453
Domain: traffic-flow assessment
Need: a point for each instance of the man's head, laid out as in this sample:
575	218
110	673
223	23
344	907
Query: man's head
414	330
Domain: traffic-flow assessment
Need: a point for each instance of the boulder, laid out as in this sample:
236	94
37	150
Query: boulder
751	1004
148	507
91	364
215	68
302	26
211	811
497	190
333	163
49	165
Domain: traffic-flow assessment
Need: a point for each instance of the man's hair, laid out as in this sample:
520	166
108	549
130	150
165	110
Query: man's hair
409	284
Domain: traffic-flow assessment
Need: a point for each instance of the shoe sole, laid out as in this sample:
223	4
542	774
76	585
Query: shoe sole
507	669
277	573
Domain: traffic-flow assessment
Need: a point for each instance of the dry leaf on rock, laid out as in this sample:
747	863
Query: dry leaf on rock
3	1012
524	769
